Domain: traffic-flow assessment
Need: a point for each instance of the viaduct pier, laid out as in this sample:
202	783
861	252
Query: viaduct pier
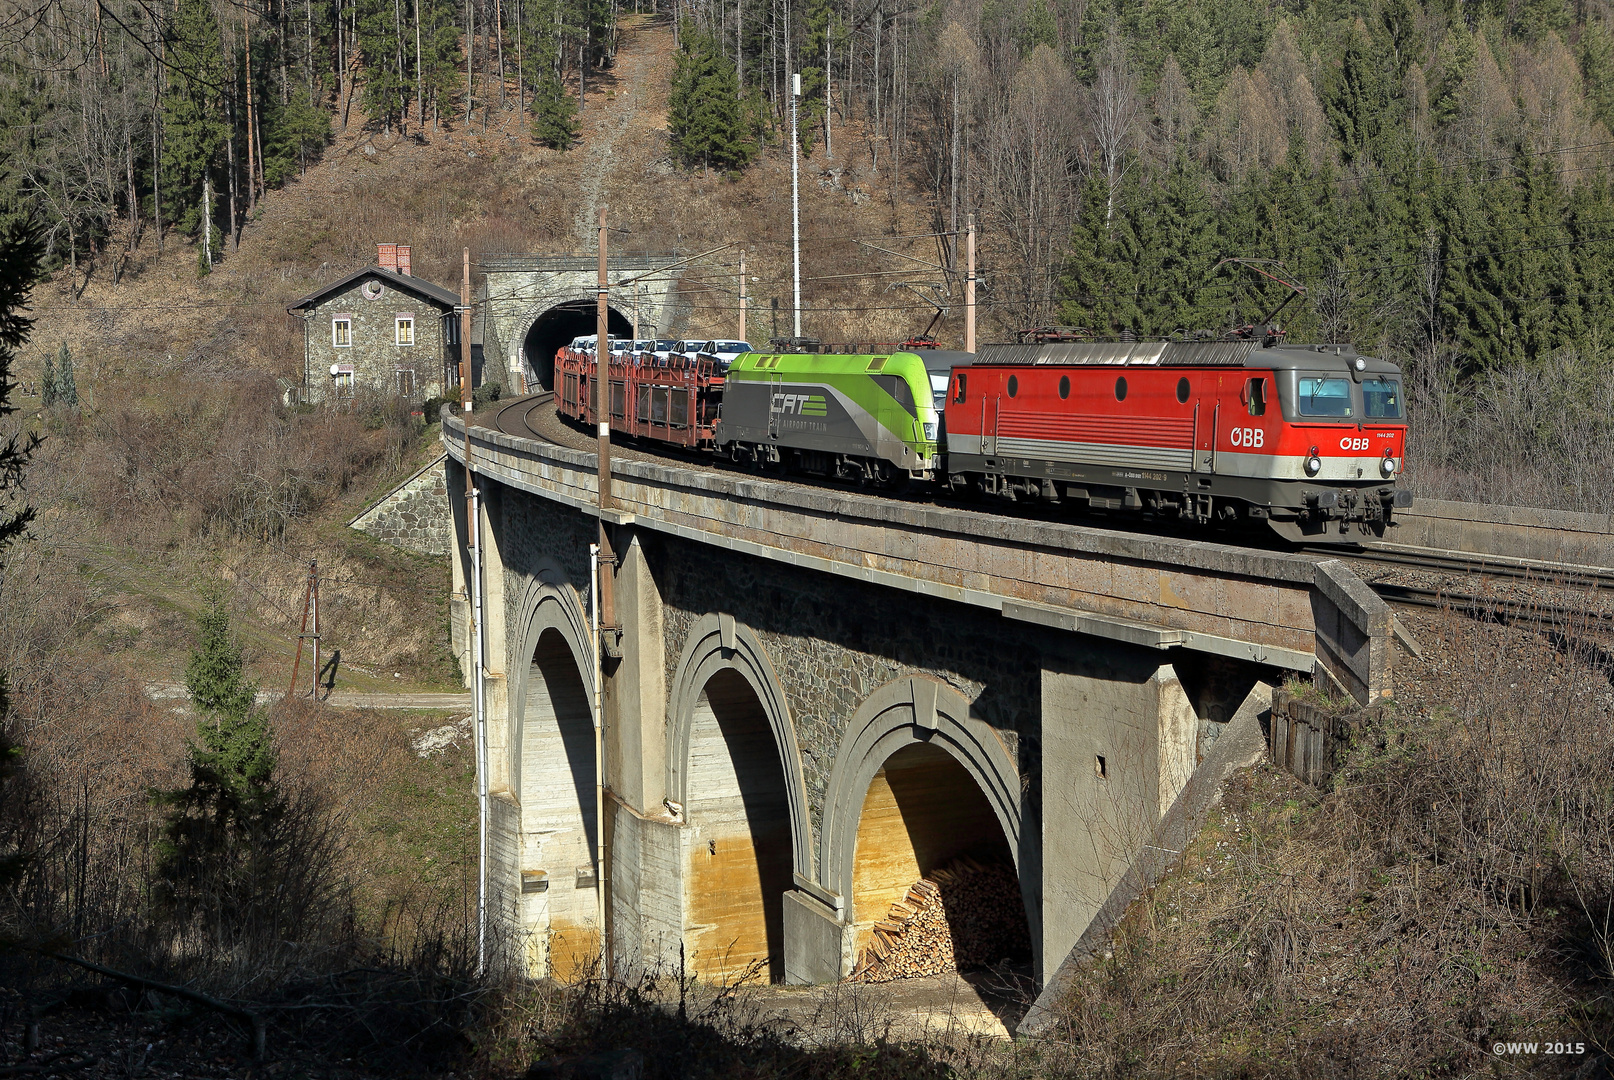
818	695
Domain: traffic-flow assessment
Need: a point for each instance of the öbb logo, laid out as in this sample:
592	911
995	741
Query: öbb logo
1355	443
1254	438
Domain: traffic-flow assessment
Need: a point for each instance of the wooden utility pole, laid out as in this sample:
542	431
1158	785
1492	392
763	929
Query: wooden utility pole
742	294
465	352
302	632
606	571
602	388
969	289
314	633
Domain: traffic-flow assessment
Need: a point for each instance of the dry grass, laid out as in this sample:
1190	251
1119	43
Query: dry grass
1452	889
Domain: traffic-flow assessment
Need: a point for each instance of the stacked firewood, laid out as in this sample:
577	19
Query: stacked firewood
960	916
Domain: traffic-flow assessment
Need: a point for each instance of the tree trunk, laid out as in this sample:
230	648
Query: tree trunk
207	218
252	185
229	165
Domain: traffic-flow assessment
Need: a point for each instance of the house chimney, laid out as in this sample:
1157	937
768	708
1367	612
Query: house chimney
403	259
387	256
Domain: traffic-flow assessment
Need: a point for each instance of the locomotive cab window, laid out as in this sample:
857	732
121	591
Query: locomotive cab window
1255	396
958	395
1324	397
900	391
1381	399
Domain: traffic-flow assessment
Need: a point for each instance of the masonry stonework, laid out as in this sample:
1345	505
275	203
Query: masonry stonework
791	739
415	515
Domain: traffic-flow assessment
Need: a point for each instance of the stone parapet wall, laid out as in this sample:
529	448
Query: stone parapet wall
1520	532
415	515
1286	610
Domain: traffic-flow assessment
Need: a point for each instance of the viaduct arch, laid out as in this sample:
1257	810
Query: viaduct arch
799	672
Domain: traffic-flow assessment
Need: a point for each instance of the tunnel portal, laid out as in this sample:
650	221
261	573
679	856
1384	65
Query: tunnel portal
558	326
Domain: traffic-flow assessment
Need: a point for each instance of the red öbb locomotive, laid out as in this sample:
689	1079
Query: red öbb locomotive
1308	438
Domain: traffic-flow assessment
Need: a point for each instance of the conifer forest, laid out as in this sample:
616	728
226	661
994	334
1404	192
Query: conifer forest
1433	174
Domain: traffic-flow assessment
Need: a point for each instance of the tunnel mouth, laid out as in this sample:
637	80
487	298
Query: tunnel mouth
558	326
740	853
935	887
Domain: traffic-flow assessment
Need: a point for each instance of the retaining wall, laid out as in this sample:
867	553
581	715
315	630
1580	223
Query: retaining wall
415	515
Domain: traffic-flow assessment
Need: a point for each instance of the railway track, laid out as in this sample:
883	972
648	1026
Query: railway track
1570	575
515	419
1494	608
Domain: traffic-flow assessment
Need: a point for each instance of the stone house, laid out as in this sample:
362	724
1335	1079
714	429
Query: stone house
379	329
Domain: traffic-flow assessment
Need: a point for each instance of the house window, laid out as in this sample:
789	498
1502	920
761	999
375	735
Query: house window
405	381
342	332
405	324
342	379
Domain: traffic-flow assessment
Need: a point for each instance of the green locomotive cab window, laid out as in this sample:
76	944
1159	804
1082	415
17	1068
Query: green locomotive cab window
1324	397
1014	385
1381	399
898	388
1120	388
1064	387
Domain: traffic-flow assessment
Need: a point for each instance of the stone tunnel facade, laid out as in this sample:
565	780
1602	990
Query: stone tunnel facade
787	751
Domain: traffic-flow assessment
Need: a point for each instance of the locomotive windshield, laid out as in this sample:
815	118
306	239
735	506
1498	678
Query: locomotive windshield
1381	399
1324	397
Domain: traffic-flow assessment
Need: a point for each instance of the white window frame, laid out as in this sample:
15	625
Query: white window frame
344	382
397	381
398	322
339	320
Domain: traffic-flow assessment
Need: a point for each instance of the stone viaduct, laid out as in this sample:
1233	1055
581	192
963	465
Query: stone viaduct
531	305
820	695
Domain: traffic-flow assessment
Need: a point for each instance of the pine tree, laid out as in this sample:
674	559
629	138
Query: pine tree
219	829
193	117
66	385
21	249
705	116
554	112
292	133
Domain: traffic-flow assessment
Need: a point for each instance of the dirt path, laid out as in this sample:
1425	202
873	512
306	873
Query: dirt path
352	699
636	103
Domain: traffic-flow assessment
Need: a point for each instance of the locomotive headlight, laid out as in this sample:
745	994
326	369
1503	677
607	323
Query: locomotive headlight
930	431
1387	466
1361	363
1314	464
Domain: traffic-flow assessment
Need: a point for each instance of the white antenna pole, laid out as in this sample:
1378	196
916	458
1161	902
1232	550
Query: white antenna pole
795	195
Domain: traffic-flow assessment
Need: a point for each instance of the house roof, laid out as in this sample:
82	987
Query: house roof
402	282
